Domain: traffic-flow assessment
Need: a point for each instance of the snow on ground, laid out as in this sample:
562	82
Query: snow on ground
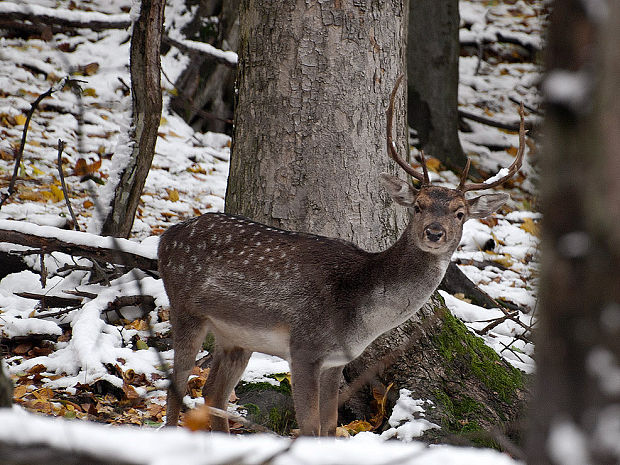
189	178
166	446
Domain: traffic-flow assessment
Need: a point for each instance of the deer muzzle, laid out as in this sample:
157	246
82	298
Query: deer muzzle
435	232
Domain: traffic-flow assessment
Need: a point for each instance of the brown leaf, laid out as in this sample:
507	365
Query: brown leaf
22	348
198	419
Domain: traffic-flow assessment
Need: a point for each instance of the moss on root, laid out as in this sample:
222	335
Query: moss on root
458	346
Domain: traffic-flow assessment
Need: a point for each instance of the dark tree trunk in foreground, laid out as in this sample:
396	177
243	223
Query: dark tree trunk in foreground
314	83
146	114
576	409
205	87
433	78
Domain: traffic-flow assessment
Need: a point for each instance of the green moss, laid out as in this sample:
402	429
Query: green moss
458	346
209	343
284	387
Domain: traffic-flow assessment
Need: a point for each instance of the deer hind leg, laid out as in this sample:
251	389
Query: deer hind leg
188	334
328	400
226	370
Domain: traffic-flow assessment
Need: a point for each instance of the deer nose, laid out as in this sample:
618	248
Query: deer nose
434	232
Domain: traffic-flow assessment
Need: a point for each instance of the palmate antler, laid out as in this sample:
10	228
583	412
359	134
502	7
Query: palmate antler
423	177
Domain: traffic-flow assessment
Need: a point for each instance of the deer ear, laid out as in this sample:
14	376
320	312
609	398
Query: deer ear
401	191
483	206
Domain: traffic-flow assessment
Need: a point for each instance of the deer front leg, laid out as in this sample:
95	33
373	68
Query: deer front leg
305	379
224	374
328	400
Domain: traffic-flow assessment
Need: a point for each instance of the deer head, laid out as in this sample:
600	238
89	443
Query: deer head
439	212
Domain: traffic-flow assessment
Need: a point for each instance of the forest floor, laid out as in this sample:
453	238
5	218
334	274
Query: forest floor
105	363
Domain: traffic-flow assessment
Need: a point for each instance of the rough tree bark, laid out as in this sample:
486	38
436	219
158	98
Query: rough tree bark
205	86
433	77
314	82
147	103
576	411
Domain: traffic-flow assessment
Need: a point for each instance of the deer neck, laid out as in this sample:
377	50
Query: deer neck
404	277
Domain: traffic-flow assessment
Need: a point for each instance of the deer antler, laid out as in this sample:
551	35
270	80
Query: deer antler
512	170
392	148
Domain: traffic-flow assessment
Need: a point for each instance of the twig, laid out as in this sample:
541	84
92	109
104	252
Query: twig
58	313
216	412
61	147
5	195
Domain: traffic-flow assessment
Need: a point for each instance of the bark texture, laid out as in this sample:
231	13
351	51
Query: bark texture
578	349
314	82
433	78
206	87
147	103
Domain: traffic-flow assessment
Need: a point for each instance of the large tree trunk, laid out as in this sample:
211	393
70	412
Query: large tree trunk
314	83
433	78
147	102
205	87
577	401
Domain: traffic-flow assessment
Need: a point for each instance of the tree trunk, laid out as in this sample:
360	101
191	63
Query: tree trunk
206	87
577	401
147	103
314	82
433	78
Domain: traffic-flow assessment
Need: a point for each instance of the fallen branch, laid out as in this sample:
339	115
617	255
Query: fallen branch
514	127
49	239
59	20
50	301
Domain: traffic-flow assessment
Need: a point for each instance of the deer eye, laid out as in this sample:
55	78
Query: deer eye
460	215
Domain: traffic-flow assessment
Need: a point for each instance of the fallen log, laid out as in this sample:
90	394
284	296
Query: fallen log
108	249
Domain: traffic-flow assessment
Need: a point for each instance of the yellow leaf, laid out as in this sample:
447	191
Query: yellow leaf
20	120
173	195
512	151
36	170
433	164
89	92
163	121
141	345
282	376
531	227
57	193
357	426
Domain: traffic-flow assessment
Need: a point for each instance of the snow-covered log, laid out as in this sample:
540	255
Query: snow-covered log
51	239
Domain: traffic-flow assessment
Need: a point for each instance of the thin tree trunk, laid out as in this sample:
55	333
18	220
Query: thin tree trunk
147	103
433	78
314	83
577	403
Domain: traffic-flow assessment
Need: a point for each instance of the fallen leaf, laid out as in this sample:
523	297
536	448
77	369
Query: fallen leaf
433	164
198	419
20	120
531	227
357	426
173	195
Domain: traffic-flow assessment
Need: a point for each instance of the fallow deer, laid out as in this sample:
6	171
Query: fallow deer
315	301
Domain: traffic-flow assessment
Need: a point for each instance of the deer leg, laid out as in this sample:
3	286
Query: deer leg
188	334
226	370
328	400
305	379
